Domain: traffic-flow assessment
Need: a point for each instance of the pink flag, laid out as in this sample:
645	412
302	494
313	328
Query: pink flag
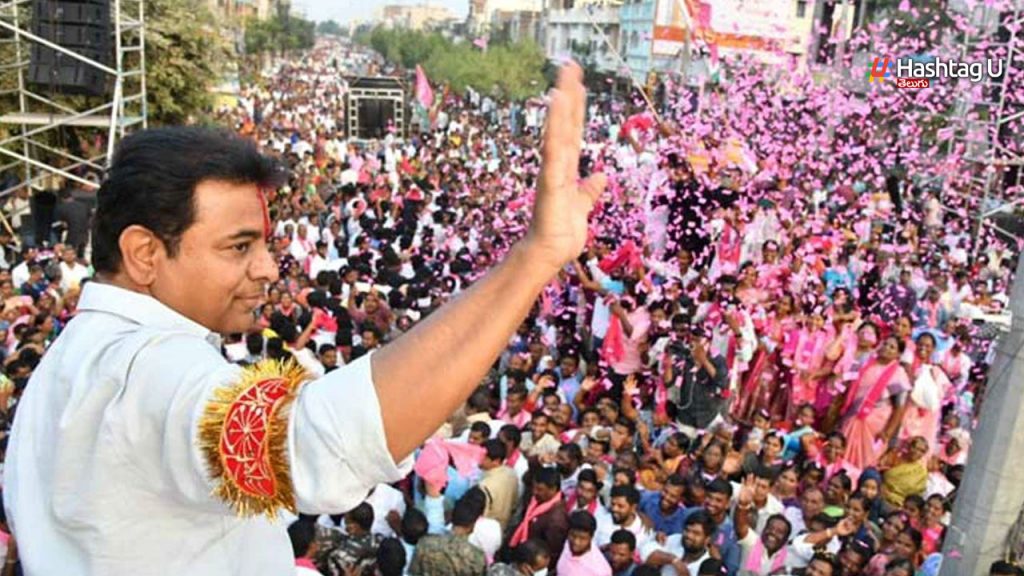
424	93
481	42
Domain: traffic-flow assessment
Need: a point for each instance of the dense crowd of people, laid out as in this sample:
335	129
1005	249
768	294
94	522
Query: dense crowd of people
735	378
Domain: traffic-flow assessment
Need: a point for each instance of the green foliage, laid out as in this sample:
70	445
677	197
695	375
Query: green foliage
515	70
282	33
185	55
331	28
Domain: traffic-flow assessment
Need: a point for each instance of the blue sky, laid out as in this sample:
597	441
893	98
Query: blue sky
346	10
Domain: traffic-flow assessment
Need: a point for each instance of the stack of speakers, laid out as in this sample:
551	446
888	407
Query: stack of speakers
81	26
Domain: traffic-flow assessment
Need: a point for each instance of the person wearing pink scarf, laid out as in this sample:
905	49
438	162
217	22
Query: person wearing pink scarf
546	518
581	557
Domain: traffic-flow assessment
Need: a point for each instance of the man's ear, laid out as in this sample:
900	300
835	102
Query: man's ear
140	250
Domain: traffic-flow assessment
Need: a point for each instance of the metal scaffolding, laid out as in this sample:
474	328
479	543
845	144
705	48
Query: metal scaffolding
38	116
982	118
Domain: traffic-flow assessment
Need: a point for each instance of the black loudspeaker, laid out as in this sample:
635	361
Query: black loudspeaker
374	116
80	26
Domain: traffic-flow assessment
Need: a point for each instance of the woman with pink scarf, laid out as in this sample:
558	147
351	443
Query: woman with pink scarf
875	405
807	360
765	384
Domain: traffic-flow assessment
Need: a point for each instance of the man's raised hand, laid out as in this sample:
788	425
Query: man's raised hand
558	232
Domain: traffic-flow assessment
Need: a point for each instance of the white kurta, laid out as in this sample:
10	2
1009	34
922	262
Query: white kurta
104	471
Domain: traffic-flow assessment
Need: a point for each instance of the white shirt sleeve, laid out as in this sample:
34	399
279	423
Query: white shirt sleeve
336	447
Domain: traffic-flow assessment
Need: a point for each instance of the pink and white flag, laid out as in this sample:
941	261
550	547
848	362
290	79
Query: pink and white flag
424	93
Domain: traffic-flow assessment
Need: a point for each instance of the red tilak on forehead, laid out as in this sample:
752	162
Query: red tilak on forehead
266	212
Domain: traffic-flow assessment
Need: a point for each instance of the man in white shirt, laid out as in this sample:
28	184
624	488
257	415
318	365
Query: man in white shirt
71	272
682	554
624	503
134	431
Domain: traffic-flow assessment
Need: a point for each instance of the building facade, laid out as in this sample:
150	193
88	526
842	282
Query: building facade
586	31
414	17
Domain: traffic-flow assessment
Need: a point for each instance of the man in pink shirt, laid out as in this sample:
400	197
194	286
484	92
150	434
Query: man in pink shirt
581	557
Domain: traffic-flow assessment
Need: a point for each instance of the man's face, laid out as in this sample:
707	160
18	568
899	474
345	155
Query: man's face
585	493
716	503
579	542
819	568
515	403
775	535
68	255
538	426
476	437
353	529
543	492
850	563
329	358
566	465
369	339
671	496
694	539
568	366
622	511
620	557
225	252
812	503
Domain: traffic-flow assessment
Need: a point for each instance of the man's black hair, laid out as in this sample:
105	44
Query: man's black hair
362	516
391	557
630	493
583	521
623	536
414	525
548	477
495	450
704	519
465	513
254	343
302	533
528	552
572	450
719	486
153	179
480	401
481	428
511	433
712	567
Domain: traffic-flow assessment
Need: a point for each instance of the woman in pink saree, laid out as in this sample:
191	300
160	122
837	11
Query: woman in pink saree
766	383
924	409
807	360
875	405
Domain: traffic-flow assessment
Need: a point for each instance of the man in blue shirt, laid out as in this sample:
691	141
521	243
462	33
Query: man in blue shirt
663	507
719	495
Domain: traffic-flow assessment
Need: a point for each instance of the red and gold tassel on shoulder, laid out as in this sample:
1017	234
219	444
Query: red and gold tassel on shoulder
244	436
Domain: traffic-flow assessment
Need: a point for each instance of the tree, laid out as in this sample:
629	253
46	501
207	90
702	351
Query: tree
331	28
185	55
516	70
282	33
